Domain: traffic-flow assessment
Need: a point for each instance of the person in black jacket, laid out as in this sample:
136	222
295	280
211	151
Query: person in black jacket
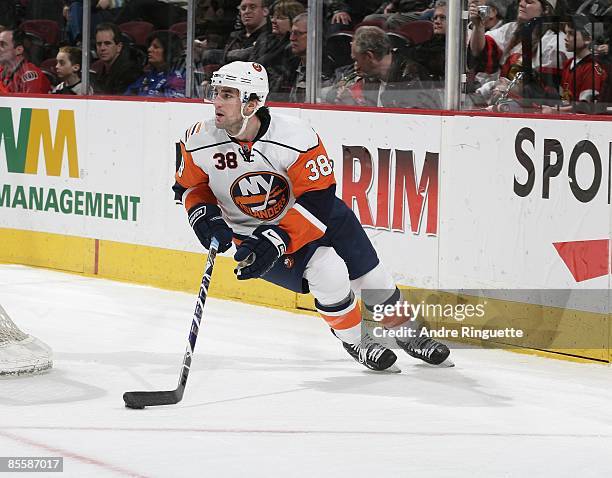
255	27
118	69
383	76
271	49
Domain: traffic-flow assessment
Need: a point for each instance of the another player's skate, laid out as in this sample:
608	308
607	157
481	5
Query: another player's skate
428	350
372	355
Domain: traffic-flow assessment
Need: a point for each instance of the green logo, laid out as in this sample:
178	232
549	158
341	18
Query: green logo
22	146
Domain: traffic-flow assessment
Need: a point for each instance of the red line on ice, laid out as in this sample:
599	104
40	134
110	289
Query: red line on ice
67	454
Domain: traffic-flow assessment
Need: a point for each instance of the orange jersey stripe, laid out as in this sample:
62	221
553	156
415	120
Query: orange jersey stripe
192	177
312	170
198	195
300	230
344	321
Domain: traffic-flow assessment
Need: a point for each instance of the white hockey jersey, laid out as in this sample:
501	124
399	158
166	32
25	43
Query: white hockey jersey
552	58
255	183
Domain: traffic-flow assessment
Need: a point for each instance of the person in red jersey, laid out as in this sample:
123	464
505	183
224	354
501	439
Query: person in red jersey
17	74
583	77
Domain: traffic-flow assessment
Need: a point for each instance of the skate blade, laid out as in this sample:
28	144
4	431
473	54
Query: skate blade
446	364
393	369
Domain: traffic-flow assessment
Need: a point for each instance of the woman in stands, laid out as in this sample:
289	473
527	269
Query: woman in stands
270	50
165	70
500	49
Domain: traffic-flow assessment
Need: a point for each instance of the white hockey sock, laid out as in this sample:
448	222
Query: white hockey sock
351	335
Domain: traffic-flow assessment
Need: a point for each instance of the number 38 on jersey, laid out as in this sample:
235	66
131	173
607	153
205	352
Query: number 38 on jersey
322	166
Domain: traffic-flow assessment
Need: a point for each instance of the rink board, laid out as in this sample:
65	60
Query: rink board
450	201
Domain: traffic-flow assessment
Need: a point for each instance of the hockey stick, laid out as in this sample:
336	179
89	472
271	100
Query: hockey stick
171	397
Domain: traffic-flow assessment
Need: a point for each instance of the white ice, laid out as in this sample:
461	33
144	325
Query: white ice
273	394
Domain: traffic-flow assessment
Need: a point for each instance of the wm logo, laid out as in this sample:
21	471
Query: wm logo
22	146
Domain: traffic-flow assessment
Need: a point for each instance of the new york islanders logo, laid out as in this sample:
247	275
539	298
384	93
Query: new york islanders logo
262	195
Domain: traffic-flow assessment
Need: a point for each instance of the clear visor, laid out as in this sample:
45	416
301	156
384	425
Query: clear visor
210	93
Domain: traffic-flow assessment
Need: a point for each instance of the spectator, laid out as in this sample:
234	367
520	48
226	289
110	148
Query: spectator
501	50
254	19
165	71
290	81
493	19
68	69
432	53
118	70
17	74
583	78
270	50
439	18
387	77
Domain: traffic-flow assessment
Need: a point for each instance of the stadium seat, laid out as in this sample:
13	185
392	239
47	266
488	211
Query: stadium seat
338	48
137	31
398	40
47	30
418	31
49	65
179	28
48	68
378	22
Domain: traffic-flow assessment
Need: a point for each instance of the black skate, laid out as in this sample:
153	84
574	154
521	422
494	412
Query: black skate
428	350
372	355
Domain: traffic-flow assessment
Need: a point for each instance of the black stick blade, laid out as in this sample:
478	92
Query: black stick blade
150	399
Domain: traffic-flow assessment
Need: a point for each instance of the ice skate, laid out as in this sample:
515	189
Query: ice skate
373	355
427	350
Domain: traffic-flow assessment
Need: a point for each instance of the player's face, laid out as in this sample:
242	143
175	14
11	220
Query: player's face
529	9
227	109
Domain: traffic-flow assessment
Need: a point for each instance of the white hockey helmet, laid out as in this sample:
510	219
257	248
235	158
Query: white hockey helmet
247	77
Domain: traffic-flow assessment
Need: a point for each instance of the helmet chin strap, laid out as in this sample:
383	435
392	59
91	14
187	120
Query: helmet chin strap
245	121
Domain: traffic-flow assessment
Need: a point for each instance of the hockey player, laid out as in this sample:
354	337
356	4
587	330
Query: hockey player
267	183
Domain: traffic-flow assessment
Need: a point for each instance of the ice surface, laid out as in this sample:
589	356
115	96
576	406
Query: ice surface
273	394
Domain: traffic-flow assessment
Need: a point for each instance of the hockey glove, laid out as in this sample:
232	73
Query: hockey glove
206	221
259	252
